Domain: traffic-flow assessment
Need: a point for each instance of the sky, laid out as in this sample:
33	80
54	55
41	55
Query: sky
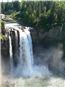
8	0
28	0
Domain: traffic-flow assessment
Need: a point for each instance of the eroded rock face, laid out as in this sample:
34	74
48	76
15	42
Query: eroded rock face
52	57
5	60
15	47
5	47
34	36
56	64
52	36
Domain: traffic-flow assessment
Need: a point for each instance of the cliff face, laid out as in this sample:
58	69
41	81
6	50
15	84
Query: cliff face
49	48
46	41
5	60
55	34
5	47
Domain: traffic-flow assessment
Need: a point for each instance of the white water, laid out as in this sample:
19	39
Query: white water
26	65
11	55
30	43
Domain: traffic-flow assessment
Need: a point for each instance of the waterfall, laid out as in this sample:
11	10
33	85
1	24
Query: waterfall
30	42
25	62
11	55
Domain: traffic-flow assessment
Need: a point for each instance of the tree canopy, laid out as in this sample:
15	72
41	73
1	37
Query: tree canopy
42	15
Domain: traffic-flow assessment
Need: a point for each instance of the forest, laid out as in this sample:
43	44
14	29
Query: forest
43	16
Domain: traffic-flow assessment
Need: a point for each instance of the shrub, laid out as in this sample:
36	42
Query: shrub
2	28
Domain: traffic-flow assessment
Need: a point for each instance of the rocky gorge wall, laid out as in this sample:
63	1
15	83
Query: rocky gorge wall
46	41
49	48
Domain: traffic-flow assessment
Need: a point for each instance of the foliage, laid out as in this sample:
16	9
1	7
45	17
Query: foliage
2	37
9	7
13	15
2	28
2	34
42	15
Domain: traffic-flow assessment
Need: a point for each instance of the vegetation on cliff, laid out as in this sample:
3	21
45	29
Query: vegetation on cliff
44	16
2	34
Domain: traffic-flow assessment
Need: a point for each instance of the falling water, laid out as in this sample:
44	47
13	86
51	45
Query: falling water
30	42
25	64
10	53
